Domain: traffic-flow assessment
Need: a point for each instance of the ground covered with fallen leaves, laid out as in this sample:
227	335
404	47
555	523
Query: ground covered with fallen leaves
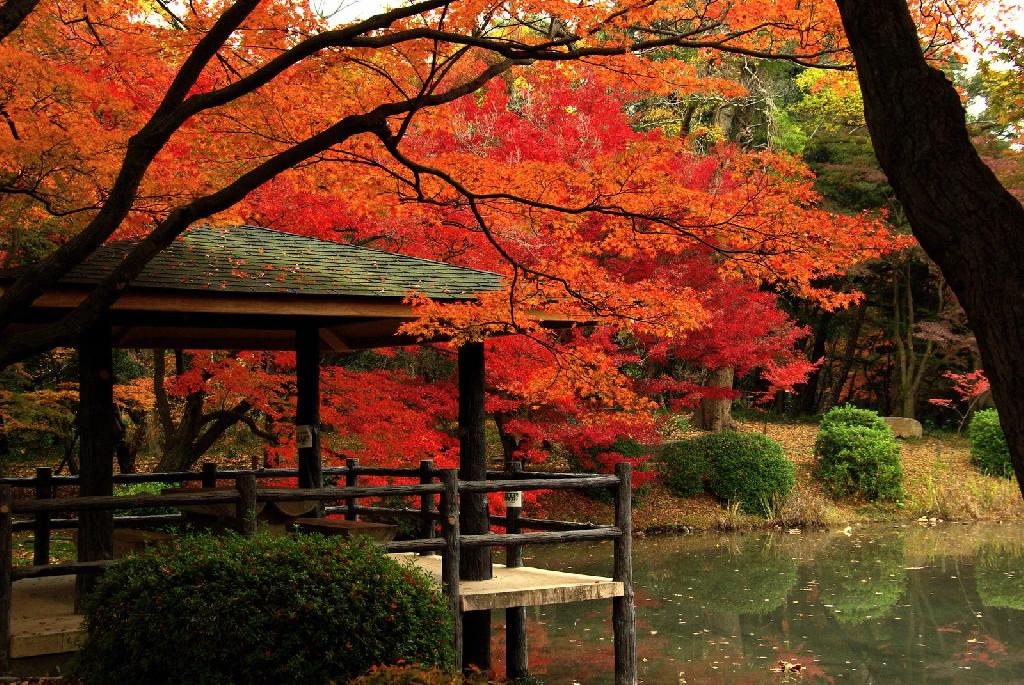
940	482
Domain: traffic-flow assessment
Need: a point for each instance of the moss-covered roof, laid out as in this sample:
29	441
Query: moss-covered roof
249	259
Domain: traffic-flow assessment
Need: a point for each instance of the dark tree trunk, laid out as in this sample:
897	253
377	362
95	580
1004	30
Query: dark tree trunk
962	216
849	355
715	413
509	442
807	398
12	13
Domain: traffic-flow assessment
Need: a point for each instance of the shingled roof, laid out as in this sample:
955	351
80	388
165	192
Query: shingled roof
250	259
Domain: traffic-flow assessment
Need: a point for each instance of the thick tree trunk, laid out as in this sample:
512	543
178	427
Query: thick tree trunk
963	217
715	413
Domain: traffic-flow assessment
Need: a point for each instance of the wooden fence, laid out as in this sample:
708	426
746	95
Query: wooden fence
46	511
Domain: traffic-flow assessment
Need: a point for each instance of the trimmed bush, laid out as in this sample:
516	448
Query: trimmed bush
989	451
748	468
685	466
849	415
260	609
858	456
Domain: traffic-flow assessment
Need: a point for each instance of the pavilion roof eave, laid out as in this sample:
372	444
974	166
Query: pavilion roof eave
211	319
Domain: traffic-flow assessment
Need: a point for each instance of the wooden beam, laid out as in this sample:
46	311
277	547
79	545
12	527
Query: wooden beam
96	443
234	303
307	409
333	342
474	516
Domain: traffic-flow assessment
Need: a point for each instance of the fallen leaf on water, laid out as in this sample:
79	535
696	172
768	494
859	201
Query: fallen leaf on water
787	667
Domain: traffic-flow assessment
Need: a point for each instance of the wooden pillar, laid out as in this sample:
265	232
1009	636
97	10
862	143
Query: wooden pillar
209	475
6	550
41	537
623	610
449	509
245	508
475	564
426	503
517	661
351	481
307	410
96	444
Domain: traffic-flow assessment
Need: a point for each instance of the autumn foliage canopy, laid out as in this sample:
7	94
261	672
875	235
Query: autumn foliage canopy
502	136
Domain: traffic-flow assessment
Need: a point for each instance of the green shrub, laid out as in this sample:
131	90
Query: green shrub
260	609
858	456
685	466
748	468
131	489
849	415
989	451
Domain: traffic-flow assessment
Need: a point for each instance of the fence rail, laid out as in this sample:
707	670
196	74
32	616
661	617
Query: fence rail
438	491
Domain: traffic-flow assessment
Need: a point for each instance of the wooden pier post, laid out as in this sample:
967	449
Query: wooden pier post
517	660
41	532
426	503
351	480
450	556
245	510
623	611
6	545
209	474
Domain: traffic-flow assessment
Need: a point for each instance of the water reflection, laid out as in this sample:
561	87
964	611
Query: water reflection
905	605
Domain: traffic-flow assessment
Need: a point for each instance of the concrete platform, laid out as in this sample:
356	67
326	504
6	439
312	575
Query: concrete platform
524	586
43	619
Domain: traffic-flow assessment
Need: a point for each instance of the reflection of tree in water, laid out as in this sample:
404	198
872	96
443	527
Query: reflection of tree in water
747	576
999	580
862	577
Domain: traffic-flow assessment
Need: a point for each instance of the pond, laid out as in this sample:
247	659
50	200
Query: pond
913	604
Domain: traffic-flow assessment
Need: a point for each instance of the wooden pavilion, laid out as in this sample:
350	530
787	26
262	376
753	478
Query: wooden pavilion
251	288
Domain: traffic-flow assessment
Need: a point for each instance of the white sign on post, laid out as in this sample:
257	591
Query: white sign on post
303	436
514	499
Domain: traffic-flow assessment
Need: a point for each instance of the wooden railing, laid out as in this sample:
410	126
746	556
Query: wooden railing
36	514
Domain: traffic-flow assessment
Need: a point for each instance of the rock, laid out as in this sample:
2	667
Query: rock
903	427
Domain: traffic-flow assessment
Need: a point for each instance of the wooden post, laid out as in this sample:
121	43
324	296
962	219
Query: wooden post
96	445
245	510
5	577
307	408
475	564
426	502
351	479
450	556
517	661
209	474
41	536
623	611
